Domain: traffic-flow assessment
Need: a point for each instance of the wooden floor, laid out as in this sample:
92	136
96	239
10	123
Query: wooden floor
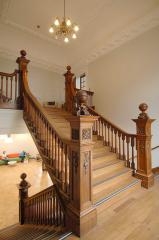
9	178
136	217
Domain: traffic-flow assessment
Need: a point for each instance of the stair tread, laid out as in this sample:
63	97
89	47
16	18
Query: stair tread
101	191
104	184
105	169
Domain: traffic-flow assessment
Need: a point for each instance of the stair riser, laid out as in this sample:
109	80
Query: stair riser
108	170
104	163
110	183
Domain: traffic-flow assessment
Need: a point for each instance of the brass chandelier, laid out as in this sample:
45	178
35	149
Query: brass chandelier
64	29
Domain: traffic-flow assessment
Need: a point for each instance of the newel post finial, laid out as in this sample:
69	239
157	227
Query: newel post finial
23	194
22	61
144	163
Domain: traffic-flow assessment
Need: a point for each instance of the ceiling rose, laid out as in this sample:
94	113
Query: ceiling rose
64	29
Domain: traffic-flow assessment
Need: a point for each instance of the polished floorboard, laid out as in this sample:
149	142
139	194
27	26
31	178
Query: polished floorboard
134	217
9	179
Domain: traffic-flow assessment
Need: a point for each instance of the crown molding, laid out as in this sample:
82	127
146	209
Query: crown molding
35	62
124	35
130	32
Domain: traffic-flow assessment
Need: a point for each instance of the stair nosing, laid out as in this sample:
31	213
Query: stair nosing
122	189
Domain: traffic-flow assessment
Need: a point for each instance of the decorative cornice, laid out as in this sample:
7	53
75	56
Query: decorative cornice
117	39
35	62
130	32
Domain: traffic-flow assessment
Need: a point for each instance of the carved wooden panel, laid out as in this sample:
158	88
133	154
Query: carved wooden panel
86	133
86	159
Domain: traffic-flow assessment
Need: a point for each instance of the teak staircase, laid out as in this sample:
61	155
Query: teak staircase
90	160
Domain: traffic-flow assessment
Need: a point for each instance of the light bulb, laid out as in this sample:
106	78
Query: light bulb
74	36
51	30
68	22
56	22
76	28
66	40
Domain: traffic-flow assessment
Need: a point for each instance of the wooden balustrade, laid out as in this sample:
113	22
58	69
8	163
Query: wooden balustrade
119	141
9	90
53	148
43	208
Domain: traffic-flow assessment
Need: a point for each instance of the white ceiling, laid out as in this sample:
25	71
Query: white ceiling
104	25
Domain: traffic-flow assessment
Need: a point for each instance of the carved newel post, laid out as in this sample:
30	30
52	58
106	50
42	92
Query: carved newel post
23	194
144	165
69	90
82	214
22	62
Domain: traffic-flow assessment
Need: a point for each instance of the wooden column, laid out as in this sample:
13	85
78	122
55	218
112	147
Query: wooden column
81	215
144	165
69	90
23	194
22	62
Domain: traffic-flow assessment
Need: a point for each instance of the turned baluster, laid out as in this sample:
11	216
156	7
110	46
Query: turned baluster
16	80
1	93
108	127
58	157
112	141
123	139
56	166
132	158
62	165
66	170
119	142
6	87
116	149
128	157
11	87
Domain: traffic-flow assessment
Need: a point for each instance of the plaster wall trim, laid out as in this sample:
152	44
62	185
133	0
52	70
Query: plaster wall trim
35	62
117	39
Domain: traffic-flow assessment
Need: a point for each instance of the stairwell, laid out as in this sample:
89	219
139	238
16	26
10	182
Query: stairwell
91	161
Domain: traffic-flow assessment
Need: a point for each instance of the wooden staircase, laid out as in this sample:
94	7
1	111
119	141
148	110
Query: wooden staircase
32	232
110	175
91	161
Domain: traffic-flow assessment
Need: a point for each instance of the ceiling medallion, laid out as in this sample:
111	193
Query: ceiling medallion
64	29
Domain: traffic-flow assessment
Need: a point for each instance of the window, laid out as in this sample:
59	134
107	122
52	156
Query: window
83	81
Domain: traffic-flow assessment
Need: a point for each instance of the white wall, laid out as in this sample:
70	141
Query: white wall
45	85
126	77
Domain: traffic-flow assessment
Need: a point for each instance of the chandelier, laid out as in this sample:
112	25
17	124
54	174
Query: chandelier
64	29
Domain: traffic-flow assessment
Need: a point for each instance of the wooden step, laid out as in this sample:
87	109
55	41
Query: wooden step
118	195
112	184
101	152
100	162
102	174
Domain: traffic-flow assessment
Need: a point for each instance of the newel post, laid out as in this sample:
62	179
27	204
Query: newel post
144	164
22	63
23	194
82	214
69	90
